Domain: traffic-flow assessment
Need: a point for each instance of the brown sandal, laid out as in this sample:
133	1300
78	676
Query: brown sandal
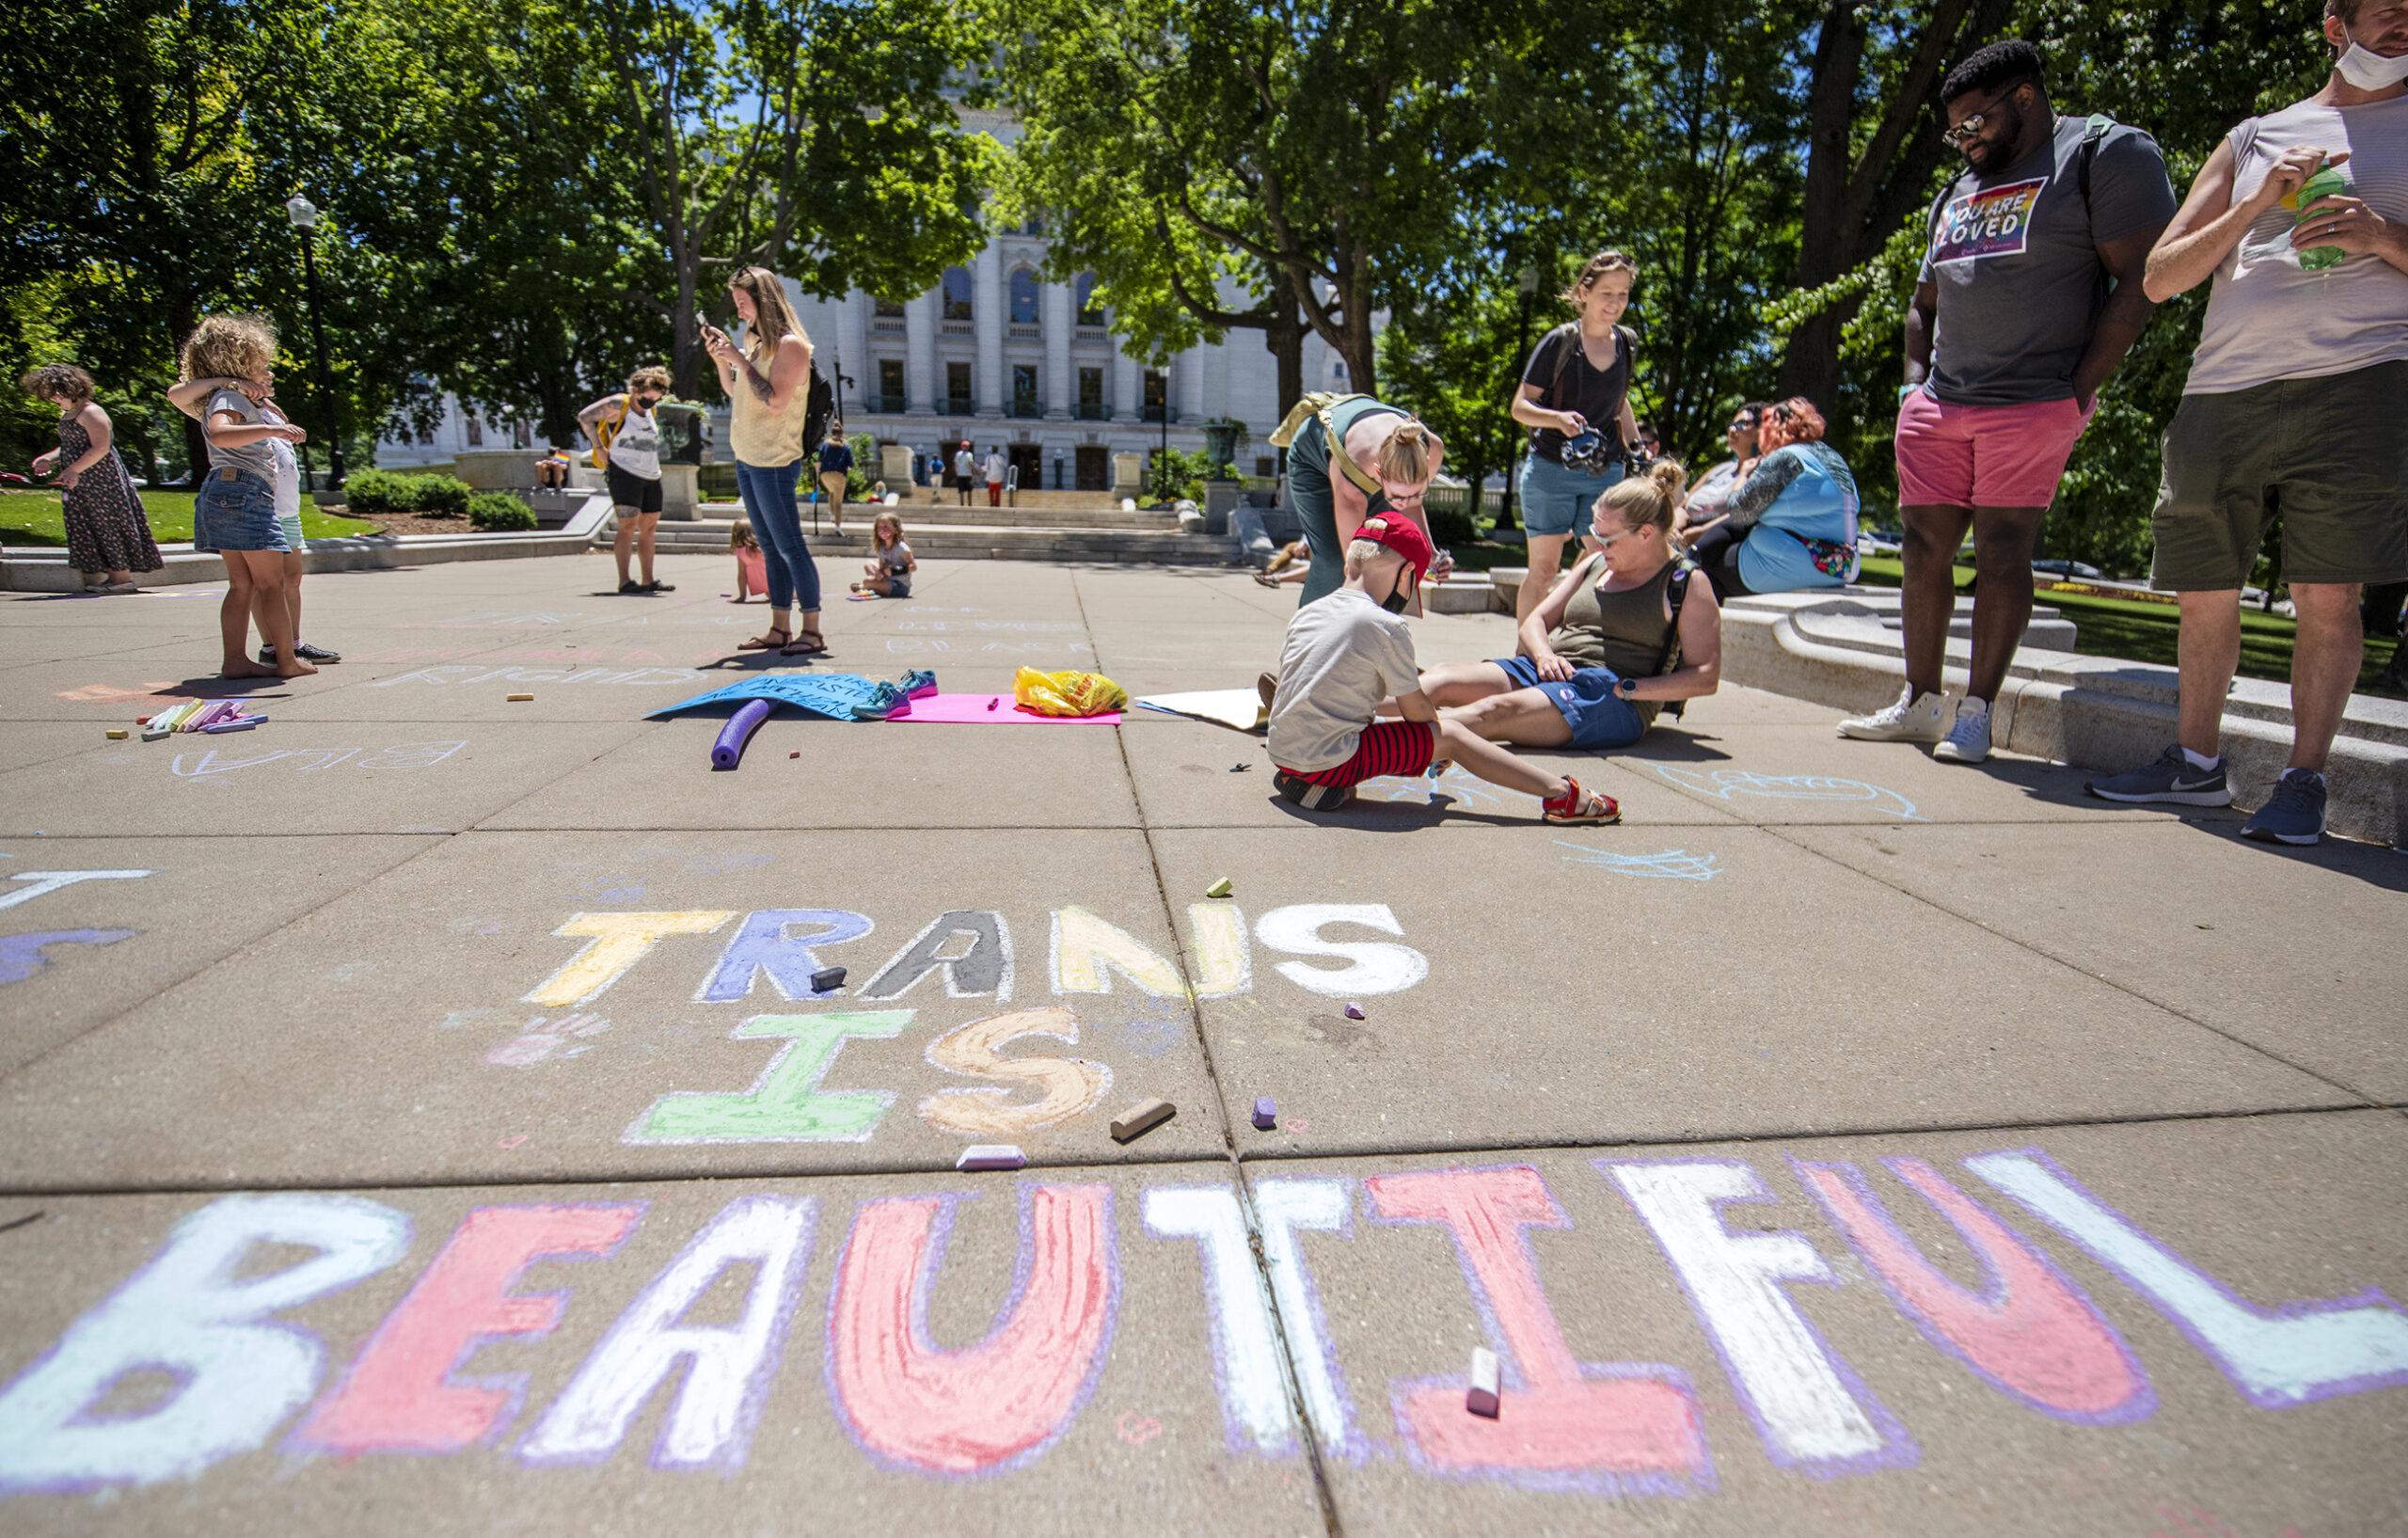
809	643
763	644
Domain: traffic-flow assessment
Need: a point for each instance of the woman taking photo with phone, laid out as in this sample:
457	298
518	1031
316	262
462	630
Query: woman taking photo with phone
768	381
1575	398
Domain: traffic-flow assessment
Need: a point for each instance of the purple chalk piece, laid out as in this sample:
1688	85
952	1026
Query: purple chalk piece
1267	1113
992	1156
1354	1011
728	751
1481	1398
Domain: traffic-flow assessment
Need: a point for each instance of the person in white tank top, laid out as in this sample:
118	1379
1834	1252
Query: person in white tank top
624	427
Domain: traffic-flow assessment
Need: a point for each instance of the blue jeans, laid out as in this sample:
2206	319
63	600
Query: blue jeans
1598	717
235	510
1559	501
767	491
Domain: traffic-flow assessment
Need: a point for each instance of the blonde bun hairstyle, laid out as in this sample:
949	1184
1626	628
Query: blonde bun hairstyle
1405	453
1648	498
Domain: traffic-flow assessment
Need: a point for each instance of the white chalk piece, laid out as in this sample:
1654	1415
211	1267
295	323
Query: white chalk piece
517	697
1141	1119
992	1156
828	979
1481	1399
1354	1011
1266	1113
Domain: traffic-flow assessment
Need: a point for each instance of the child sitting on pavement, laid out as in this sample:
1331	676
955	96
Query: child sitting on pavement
890	575
1349	651
752	567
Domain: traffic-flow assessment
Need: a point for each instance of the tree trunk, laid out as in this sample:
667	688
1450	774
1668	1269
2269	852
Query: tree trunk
1283	338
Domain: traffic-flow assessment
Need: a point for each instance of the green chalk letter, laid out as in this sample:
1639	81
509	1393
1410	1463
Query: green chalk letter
785	1104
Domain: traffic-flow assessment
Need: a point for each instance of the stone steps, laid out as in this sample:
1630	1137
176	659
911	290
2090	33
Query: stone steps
1143	547
923	514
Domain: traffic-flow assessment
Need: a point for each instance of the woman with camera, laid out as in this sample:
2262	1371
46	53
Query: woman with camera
1575	397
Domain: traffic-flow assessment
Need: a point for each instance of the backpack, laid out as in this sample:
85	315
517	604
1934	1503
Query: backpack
1570	333
2094	129
605	434
1675	592
816	410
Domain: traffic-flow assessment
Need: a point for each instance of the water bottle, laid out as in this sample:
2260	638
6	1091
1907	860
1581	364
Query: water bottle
2324	184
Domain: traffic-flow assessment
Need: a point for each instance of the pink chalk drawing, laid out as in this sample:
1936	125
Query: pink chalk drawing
404	1392
1297	1124
1137	1430
2289	1355
510	1142
191	1311
2032	1334
538	1042
984	1408
722	1371
1617	1428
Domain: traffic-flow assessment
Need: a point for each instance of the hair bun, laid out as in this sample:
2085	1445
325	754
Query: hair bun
1411	431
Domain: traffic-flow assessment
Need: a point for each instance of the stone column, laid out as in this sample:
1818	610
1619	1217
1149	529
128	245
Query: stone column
1053	308
1216	380
851	351
1128	389
987	301
920	353
1187	394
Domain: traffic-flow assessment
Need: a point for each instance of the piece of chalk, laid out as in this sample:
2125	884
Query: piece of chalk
517	697
117	733
991	703
154	734
1354	1011
728	751
1481	1399
827	980
1220	888
992	1156
1266	1113
796	754
238	724
1141	1119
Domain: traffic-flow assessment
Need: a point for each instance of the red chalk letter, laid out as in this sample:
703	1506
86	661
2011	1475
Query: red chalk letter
974	1410
400	1395
1626	1427
2034	1336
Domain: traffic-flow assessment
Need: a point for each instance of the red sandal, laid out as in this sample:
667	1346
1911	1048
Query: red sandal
1578	805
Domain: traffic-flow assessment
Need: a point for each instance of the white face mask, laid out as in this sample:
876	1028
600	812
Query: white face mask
2371	71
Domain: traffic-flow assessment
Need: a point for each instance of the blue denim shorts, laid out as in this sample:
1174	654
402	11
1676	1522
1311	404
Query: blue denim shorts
236	511
1556	501
1586	702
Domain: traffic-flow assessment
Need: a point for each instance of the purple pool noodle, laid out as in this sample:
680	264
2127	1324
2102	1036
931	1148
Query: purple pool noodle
729	750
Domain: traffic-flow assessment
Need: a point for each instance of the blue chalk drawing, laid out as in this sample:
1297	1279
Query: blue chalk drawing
1676	864
1455	785
23	955
1726	783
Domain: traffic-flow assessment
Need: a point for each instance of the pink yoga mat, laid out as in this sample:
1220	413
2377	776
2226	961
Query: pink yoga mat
971	710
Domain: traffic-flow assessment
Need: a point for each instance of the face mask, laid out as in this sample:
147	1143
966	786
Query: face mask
2371	71
1396	600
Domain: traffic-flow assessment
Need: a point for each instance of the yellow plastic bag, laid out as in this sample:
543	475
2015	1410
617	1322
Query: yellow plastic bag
1069	693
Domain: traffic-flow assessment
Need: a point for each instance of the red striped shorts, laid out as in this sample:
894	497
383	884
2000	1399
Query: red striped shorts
1387	747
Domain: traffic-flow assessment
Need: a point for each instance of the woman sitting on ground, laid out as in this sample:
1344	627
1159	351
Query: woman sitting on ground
1792	523
1609	645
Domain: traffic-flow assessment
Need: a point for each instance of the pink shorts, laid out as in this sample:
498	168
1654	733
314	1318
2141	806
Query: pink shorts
1983	456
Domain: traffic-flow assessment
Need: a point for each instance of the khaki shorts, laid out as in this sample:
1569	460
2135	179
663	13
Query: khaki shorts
2330	454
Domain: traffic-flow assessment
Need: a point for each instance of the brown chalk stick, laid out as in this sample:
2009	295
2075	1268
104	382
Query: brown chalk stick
1141	1119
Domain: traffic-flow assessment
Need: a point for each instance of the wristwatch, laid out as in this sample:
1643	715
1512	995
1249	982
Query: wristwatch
1625	690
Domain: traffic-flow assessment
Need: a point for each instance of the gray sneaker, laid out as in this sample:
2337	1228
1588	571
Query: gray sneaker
2294	813
2169	779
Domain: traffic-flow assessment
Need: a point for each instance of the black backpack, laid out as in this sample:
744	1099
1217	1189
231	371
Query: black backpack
816	410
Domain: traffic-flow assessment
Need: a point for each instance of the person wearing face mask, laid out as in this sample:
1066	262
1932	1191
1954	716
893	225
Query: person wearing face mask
1627	631
1349	458
626	438
2029	297
2292	406
1575	398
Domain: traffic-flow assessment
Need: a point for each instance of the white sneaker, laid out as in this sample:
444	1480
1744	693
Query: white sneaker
1916	718
1969	740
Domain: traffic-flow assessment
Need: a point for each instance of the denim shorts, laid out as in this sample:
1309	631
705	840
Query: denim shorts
1586	702
236	511
1556	501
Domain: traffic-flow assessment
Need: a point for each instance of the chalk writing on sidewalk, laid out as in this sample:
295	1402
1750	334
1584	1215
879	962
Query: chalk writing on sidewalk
1724	784
399	756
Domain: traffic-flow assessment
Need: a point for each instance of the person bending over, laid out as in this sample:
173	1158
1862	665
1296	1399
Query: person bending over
1351	458
626	434
1624	631
1346	652
1792	523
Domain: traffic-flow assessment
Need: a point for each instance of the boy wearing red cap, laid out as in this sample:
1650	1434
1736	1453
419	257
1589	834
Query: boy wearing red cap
1349	651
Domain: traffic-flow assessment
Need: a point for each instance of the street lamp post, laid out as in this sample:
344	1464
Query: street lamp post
1528	284
305	220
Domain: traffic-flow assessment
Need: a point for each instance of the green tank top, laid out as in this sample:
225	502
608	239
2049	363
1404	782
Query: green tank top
1624	630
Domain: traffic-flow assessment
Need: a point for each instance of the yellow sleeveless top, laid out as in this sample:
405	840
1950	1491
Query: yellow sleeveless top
762	437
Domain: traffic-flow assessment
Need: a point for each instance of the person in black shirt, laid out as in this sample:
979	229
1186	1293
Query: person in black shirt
1578	378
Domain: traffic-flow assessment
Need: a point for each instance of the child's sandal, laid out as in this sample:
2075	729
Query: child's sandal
1578	805
763	644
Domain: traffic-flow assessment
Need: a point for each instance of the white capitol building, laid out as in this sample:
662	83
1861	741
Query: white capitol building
995	353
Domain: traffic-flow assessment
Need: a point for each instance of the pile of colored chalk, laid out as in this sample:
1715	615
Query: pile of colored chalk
212	716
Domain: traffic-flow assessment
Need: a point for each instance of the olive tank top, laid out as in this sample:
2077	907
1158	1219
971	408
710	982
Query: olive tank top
1624	630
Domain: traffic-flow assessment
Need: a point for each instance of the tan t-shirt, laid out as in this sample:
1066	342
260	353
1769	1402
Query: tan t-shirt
1344	656
762	437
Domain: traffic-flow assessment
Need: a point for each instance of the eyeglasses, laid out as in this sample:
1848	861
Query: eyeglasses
1743	424
1955	137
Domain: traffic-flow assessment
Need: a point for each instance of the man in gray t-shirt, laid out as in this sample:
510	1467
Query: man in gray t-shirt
2029	296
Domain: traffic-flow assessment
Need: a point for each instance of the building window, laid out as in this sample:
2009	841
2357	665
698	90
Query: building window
1338	370
476	432
1157	395
522	435
886	310
889	385
1090	388
1090	312
1266	465
957	387
957	294
1025	401
1024	296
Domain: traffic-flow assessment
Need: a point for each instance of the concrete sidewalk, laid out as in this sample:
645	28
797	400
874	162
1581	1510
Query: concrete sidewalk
421	1120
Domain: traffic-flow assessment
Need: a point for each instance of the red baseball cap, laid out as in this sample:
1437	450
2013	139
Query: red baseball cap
1402	535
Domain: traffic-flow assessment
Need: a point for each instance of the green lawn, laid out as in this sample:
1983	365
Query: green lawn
2141	631
33	517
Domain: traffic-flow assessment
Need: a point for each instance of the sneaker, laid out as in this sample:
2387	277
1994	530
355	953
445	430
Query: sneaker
1969	740
1311	796
1916	718
2172	778
2294	813
308	653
